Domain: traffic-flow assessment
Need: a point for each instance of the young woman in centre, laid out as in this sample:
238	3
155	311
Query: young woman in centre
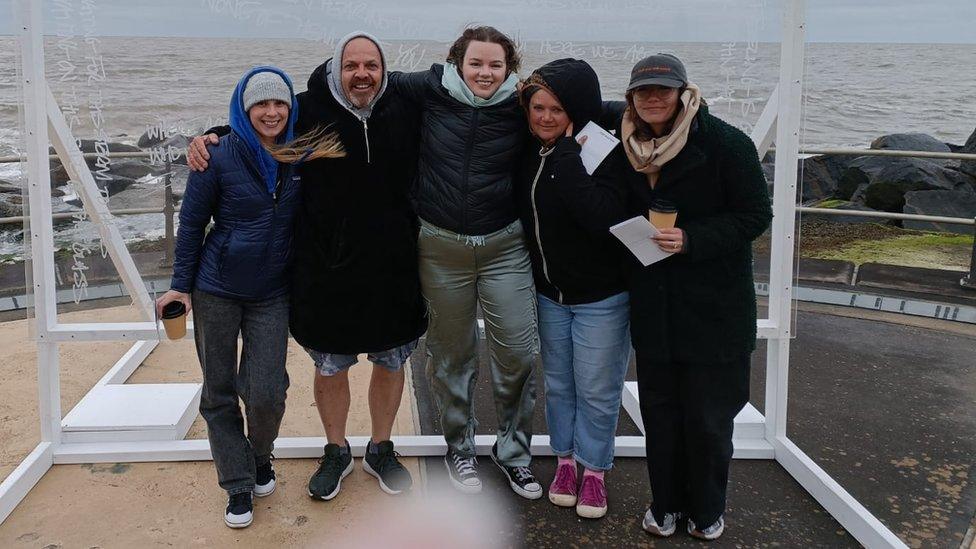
472	251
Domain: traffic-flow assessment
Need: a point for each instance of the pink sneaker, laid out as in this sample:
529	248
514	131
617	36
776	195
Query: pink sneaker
593	498
562	491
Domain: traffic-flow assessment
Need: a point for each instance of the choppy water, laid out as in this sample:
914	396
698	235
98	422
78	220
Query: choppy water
853	92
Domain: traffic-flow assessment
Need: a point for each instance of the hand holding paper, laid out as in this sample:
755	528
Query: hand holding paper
637	234
596	143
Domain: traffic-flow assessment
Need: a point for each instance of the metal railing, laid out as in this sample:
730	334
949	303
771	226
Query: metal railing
169	209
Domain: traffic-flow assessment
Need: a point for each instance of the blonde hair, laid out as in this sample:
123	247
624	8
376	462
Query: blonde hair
318	143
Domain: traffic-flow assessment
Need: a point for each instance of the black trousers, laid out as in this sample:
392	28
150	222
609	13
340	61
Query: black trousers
688	412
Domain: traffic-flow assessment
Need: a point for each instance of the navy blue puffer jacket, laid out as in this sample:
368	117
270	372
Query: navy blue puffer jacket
245	254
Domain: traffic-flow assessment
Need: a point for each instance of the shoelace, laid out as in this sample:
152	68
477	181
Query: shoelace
389	461
465	466
330	465
523	474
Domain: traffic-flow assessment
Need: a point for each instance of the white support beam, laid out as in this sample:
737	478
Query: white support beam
311	447
765	128
128	363
857	520
784	216
96	207
110	331
49	391
41	225
19	482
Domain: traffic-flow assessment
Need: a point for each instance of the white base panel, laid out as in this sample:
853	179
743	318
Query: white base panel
116	413
311	447
749	423
19	482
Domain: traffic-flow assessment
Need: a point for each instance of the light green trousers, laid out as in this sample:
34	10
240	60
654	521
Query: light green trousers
458	273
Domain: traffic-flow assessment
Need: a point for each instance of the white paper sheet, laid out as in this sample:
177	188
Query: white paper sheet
636	234
598	145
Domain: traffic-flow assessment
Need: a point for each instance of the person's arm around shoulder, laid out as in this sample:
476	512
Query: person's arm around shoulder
198	206
748	211
596	201
197	155
613	112
409	85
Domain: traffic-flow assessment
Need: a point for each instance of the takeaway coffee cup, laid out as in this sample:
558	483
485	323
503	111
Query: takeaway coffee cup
663	213
174	320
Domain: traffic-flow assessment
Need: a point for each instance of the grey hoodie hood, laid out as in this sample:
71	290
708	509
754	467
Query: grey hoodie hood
334	79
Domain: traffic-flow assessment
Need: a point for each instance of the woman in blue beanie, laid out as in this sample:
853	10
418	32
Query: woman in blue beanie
235	273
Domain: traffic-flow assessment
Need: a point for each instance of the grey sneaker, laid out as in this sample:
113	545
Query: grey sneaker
333	467
667	527
384	465
712	532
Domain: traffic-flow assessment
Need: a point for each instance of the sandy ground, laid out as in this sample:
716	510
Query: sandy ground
170	504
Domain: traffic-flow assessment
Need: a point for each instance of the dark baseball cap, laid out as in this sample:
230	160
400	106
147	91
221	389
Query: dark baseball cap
662	69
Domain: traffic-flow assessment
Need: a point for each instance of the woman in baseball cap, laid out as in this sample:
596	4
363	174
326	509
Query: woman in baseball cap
693	315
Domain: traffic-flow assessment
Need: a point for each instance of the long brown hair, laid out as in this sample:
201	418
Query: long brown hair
513	60
318	143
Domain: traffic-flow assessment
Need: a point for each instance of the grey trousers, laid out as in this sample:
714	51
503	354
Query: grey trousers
261	381
457	273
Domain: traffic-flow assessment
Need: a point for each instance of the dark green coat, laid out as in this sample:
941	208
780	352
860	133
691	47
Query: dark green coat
700	306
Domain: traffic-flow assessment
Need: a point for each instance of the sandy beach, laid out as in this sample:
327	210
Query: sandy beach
169	504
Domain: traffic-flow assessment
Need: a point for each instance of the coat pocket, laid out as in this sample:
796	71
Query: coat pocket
242	266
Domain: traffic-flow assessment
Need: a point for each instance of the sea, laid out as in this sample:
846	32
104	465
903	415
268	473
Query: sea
119	88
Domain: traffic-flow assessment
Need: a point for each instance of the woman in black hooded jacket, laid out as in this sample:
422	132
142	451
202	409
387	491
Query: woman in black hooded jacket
577	265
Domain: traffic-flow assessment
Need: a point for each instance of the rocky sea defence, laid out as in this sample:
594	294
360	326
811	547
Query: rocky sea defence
924	186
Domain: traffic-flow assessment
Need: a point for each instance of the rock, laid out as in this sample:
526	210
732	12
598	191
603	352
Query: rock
130	168
910	142
10	210
844	205
820	176
886	190
958	203
88	146
14	199
881	182
914	142
969	166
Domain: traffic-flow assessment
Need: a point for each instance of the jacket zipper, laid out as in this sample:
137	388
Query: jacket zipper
466	167
366	136
538	233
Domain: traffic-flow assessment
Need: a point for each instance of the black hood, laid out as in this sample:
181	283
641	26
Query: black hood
577	87
316	82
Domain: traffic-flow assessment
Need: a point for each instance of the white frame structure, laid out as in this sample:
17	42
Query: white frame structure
756	436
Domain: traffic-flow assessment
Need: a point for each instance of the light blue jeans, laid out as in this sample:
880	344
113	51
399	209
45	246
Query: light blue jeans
585	352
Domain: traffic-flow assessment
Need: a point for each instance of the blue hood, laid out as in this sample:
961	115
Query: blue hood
241	124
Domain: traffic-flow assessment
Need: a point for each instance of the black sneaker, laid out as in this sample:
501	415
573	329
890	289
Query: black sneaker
333	467
240	511
463	472
264	480
392	475
520	478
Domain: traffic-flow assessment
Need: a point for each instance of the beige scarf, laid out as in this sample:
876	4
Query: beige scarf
648	157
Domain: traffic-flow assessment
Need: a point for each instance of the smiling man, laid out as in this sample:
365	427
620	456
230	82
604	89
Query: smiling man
355	286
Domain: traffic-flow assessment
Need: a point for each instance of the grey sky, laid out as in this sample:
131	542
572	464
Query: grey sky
947	21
